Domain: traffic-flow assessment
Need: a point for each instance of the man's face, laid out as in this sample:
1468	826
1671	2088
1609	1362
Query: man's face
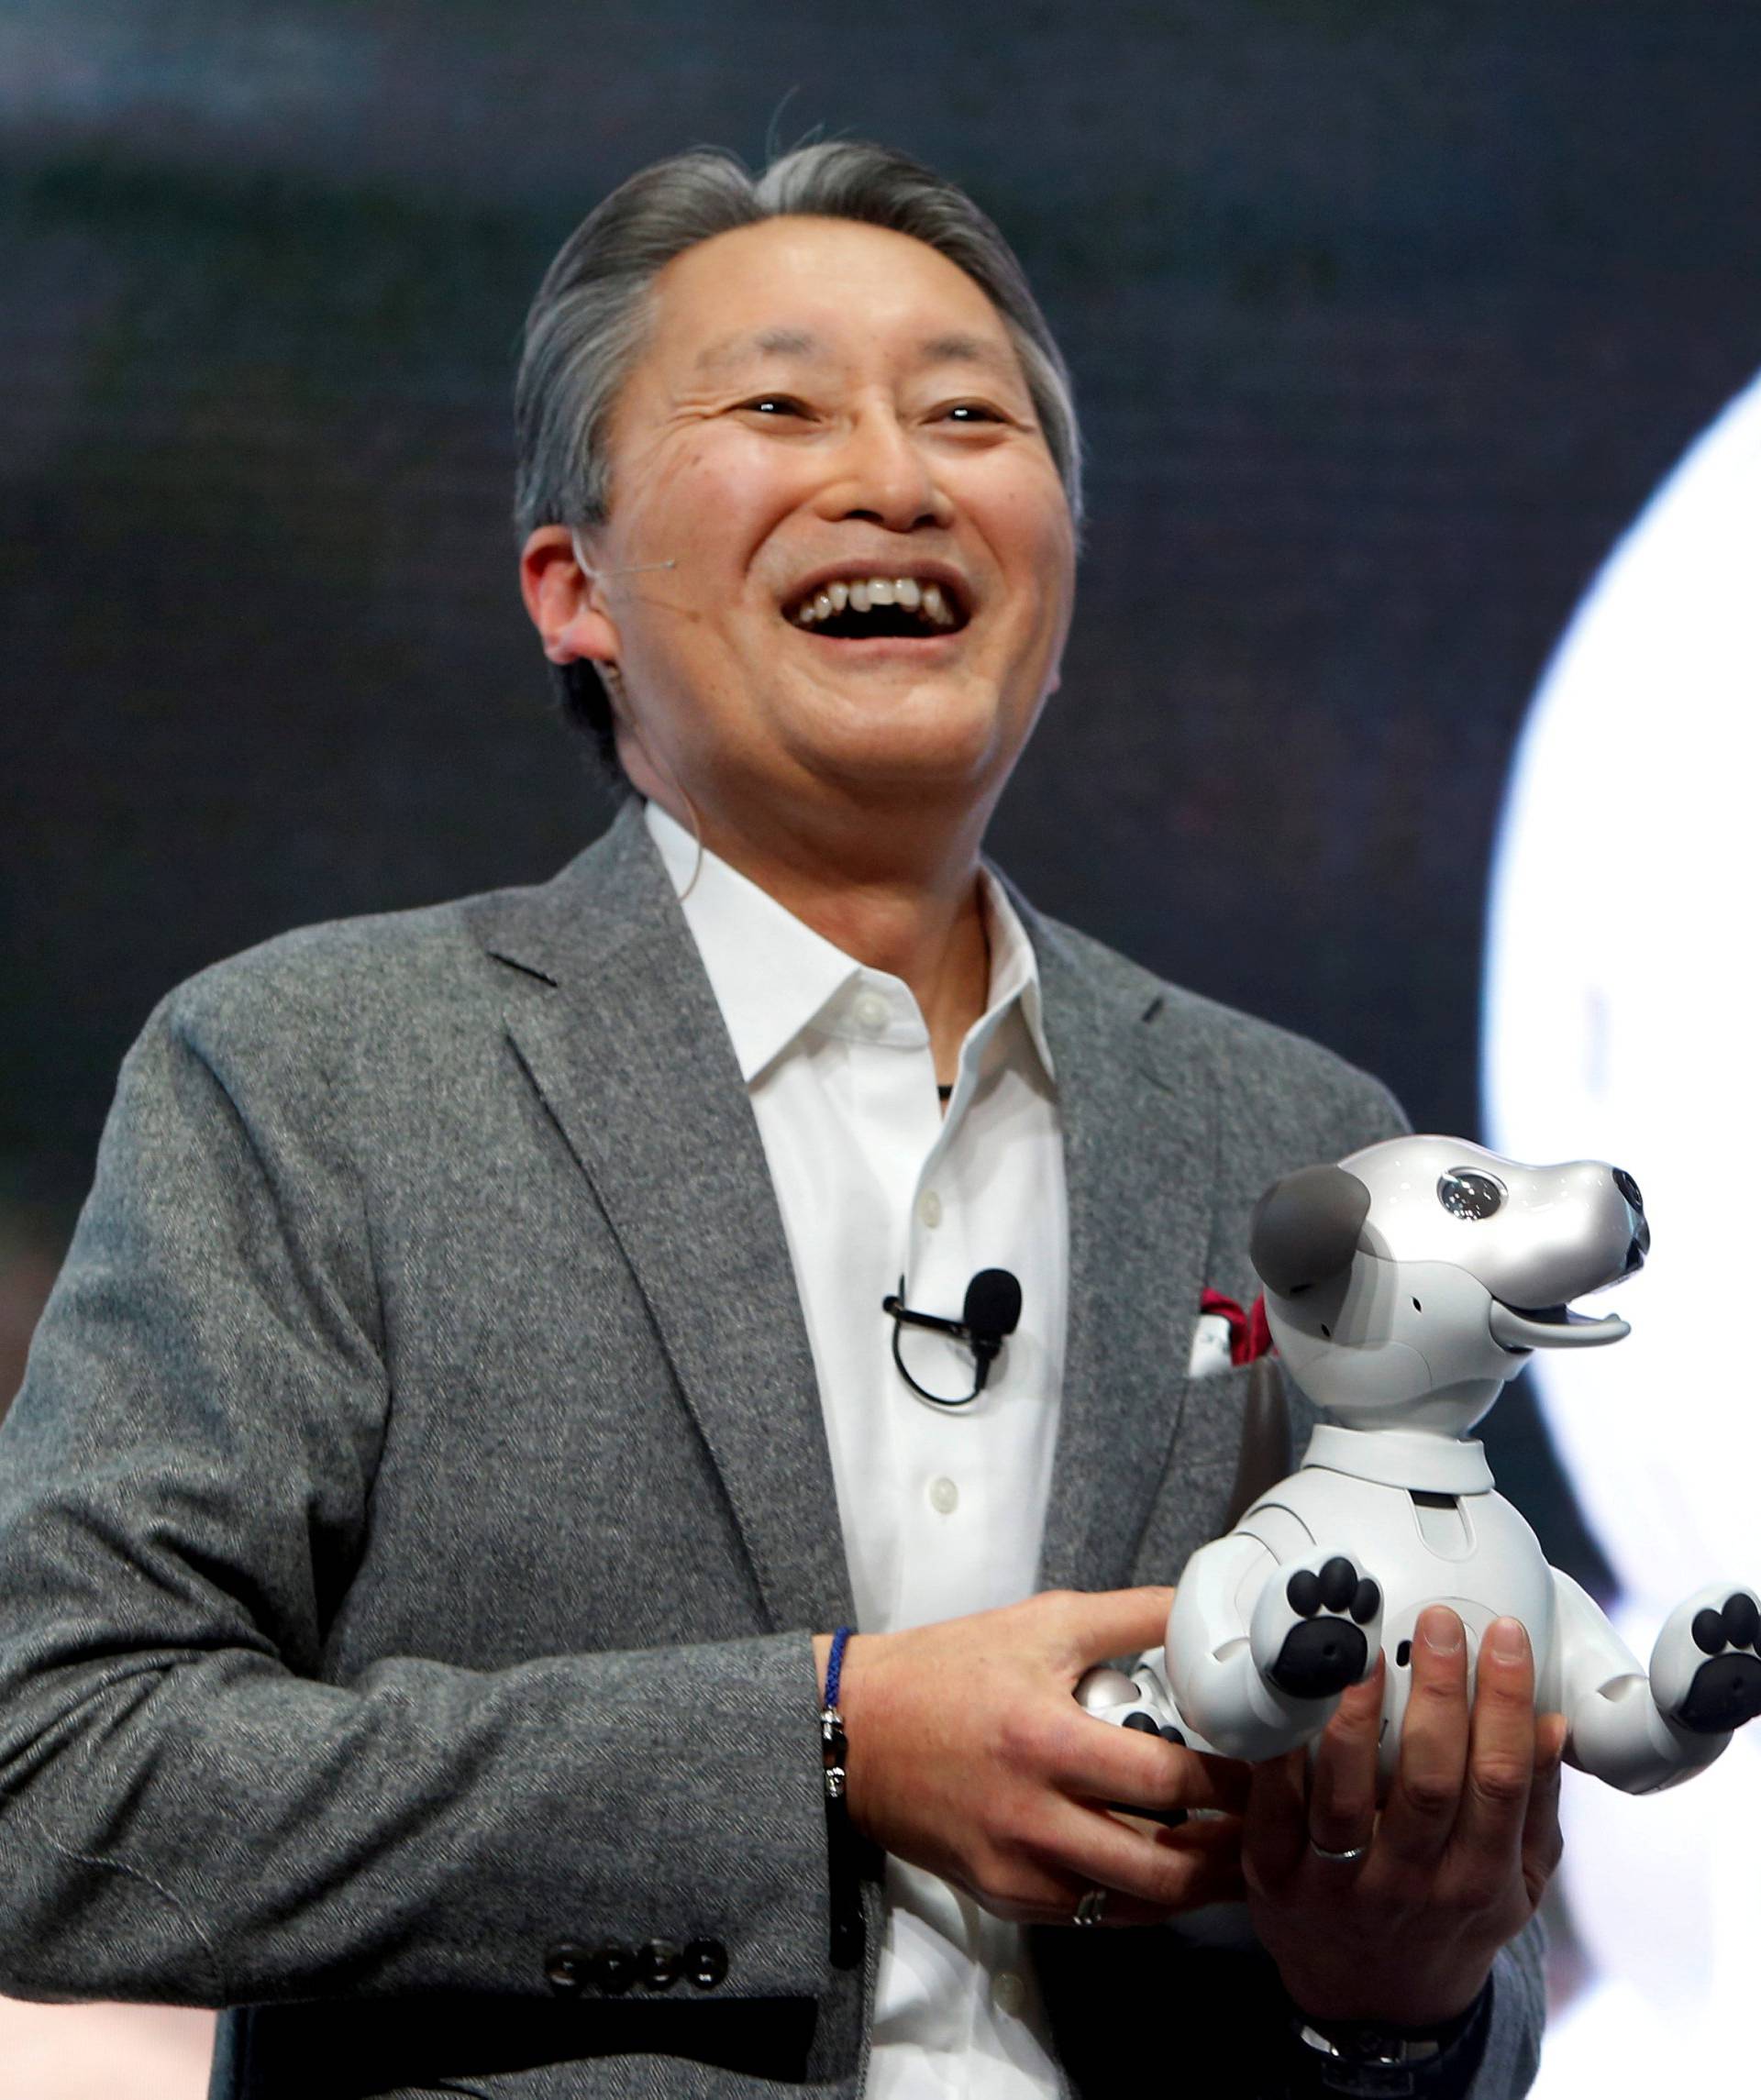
823	405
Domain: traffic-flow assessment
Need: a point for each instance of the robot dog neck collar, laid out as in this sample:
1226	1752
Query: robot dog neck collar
1402	1458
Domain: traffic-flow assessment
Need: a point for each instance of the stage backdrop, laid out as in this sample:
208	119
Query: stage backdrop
1386	319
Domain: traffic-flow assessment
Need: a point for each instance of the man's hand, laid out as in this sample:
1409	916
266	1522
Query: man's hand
969	1755
1457	1861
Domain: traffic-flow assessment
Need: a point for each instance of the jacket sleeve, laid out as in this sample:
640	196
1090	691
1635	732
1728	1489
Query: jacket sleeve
1513	2052
188	1811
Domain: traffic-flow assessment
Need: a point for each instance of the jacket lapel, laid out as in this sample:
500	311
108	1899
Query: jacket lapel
1140	1156
613	1018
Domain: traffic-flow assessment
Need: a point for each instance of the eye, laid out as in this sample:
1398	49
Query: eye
971	412
775	405
1465	1193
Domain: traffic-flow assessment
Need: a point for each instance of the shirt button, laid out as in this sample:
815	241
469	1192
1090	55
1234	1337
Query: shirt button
1009	1994
929	1208
943	1496
871	1011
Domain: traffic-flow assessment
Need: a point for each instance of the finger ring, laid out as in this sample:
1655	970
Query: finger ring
1093	1907
1350	1854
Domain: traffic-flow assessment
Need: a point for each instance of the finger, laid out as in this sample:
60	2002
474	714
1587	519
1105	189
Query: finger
1342	1785
1166	1870
1500	1748
1275	1836
1420	1813
1233	1780
1142	1770
1542	1843
1093	1626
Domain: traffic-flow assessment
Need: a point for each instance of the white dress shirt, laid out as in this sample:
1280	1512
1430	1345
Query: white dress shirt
942	1508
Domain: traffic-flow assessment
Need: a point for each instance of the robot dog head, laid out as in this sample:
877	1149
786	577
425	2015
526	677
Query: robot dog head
1410	1281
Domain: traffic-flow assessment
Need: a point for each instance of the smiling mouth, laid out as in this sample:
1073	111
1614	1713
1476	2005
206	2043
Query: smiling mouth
870	608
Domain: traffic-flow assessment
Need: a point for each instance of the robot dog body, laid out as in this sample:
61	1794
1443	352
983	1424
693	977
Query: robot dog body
1403	1288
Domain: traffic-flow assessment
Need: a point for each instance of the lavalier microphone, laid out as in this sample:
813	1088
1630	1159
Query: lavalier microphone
990	1314
636	569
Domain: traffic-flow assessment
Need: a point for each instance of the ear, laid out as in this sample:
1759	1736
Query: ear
1305	1228
563	601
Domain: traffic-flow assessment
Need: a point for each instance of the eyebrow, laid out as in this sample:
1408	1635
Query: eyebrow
952	349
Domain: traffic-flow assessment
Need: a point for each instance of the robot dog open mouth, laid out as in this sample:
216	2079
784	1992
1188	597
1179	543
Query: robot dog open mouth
1522	1328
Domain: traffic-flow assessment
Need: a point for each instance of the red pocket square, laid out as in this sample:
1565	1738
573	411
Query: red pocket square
1249	1337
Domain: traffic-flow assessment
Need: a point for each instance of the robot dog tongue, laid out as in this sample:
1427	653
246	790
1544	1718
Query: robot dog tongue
1404	1287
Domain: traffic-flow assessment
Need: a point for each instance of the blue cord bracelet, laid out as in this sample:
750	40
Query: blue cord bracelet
834	1665
848	1932
833	1744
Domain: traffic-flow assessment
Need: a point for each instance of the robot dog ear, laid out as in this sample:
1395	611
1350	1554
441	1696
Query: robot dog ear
1305	1228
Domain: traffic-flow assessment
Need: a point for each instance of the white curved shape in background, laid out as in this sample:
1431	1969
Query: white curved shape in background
1621	1021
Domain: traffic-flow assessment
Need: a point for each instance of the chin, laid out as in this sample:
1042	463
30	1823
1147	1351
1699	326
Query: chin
924	738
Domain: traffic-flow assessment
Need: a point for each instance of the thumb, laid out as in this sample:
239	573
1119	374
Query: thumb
1116	1622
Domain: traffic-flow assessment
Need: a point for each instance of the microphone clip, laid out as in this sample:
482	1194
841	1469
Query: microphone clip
990	1314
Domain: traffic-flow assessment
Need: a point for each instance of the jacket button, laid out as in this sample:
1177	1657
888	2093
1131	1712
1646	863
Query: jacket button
660	1964
610	1968
565	1967
705	1963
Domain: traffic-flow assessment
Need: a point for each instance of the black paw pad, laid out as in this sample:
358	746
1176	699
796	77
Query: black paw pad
1726	1690
1329	1652
1142	1722
1742	1621
1173	1735
1319	1658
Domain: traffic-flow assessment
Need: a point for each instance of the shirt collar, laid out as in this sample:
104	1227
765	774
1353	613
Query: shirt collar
773	976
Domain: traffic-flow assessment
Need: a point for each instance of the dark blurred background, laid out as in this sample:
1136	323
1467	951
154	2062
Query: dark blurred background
1385	319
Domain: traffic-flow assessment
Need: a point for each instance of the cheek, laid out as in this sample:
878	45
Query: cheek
725	489
1032	523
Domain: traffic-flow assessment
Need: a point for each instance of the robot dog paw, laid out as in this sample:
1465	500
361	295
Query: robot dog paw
1316	1626
1706	1667
1724	1687
1140	1700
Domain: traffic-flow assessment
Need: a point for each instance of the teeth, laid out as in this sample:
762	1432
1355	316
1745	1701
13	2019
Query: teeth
870	591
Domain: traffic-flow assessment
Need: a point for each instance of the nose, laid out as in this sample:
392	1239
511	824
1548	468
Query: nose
1640	1245
883	477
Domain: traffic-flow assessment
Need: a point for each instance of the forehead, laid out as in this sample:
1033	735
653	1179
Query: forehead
824	289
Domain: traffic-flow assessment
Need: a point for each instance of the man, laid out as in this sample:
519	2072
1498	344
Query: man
468	1409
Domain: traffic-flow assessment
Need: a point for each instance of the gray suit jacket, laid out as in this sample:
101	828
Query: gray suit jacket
415	1514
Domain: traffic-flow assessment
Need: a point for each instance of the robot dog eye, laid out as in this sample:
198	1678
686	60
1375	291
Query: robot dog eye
1465	1193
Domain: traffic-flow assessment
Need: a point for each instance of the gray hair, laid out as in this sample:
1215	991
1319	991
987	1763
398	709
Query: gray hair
590	321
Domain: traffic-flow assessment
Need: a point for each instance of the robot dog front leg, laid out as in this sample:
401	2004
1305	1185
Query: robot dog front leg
1259	1650
1643	1731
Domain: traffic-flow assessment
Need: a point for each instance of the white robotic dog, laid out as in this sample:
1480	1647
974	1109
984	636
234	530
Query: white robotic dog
1403	1288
